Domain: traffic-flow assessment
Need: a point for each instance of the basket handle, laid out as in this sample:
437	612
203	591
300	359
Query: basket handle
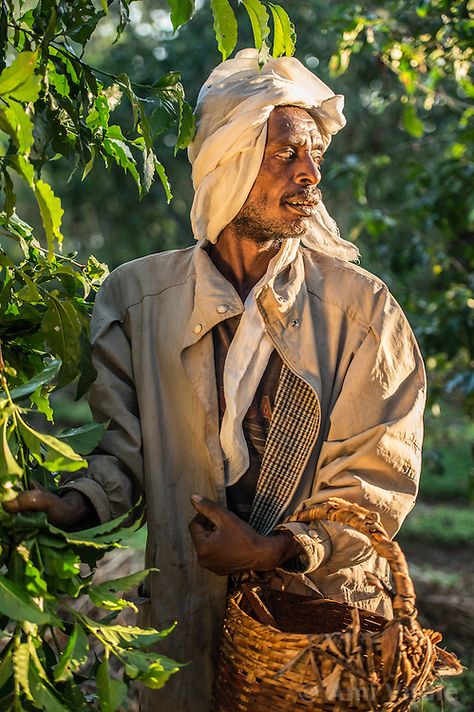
366	522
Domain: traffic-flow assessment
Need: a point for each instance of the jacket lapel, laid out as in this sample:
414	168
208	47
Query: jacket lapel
293	432
296	415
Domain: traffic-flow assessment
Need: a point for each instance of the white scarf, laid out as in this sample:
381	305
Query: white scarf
246	361
233	108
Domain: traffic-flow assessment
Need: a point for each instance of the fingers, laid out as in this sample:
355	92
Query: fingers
31	500
204	522
212	511
68	510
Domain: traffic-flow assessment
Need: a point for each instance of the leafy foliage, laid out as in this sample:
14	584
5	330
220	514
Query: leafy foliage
448	526
419	57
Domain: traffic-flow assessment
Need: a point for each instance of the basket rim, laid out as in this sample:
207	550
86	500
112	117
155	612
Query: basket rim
234	602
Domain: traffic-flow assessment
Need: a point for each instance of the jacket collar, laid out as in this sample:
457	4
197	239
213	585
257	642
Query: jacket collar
215	298
285	309
291	327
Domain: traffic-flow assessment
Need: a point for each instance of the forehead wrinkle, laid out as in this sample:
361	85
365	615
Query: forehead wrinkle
292	126
295	137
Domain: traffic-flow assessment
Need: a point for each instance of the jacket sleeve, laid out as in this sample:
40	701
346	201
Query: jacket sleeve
113	480
371	454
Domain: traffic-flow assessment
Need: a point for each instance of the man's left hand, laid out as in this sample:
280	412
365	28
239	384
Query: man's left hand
226	544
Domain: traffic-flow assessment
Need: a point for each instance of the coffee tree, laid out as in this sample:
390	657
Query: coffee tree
55	106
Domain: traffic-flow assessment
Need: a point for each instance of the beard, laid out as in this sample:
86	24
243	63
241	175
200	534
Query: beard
250	224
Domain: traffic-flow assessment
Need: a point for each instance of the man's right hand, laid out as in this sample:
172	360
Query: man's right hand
64	512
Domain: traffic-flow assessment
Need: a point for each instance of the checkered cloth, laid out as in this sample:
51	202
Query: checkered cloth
293	431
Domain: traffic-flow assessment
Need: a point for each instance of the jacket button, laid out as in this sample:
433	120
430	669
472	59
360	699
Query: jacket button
197	329
222	308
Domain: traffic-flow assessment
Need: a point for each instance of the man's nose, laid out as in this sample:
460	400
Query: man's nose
308	172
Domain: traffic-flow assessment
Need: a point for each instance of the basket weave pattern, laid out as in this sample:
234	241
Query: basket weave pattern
346	659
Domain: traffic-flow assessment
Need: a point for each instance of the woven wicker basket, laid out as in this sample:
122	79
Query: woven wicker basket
316	654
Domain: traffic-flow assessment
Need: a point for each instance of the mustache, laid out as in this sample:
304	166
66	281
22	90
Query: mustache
309	194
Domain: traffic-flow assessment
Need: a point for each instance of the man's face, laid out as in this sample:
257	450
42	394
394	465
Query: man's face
285	193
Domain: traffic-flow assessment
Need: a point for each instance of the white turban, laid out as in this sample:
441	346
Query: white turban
233	108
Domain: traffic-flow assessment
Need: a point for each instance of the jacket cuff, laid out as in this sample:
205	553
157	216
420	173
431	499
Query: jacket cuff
316	545
94	493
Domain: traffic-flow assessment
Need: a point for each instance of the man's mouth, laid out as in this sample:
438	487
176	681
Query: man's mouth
303	205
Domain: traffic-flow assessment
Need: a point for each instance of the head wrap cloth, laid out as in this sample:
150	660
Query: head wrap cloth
233	108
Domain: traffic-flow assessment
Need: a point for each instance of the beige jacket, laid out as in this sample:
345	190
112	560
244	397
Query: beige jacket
345	336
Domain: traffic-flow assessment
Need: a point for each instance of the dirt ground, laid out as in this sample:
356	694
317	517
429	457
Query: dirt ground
444	585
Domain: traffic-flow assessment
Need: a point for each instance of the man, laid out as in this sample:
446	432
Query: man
252	375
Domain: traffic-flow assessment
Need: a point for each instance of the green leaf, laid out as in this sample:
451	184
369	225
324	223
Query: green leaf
225	26
29	91
6	668
181	12
85	438
62	564
10	197
5	261
148	171
61	328
45	376
112	693
95	271
41	400
121	153
104	537
29	292
284	36
339	62
34	582
58	81
411	123
125	84
18	606
160	120
151	669
129	636
18	124
108	602
8	465
112	528
58	457
102	594
99	116
124	15
24	168
259	20
160	170
170	79
124	583
18	72
51	213
81	26
186	126
21	664
73	656
43	695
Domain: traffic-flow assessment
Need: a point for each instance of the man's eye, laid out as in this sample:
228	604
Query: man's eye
286	155
318	158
